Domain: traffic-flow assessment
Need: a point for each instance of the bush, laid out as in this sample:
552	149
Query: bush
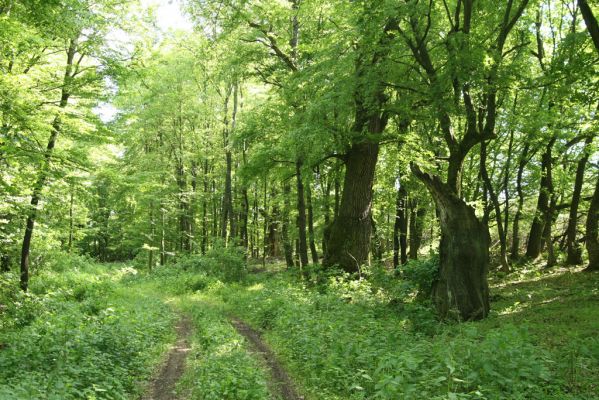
224	263
421	274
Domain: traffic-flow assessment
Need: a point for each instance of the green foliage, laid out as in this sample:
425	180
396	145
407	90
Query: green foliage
421	273
79	334
224	263
347	341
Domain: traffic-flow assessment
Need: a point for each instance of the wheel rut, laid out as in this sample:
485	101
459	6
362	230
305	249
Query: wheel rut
280	384
162	386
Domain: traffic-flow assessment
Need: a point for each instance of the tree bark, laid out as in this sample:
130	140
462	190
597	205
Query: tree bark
44	169
349	239
417	213
535	237
227	217
573	249
590	21
301	215
464	254
287	246
515	251
400	227
592	231
505	266
313	251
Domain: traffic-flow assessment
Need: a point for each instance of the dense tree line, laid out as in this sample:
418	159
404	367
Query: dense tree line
337	133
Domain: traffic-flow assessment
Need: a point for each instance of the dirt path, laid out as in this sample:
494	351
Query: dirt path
280	384
163	385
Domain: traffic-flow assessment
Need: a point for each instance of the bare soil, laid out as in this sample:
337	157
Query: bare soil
280	384
162	386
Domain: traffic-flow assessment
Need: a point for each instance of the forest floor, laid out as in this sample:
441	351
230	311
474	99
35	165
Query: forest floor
275	335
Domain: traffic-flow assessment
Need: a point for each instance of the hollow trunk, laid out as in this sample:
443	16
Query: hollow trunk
464	254
349	239
592	231
573	249
535	237
301	215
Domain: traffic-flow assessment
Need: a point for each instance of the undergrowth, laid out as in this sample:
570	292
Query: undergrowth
79	333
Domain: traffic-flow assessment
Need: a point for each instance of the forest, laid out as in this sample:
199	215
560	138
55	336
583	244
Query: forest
299	199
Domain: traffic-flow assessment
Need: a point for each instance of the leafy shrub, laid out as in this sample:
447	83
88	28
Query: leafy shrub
421	273
224	263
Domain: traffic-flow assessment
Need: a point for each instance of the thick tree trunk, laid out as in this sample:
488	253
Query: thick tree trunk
301	215
464	254
592	231
573	249
535	237
349	239
313	251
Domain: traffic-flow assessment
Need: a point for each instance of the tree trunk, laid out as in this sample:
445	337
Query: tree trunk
227	217
301	215
273	226
287	246
400	227
417	214
535	237
592	231
206	193
71	222
573	249
515	251
505	267
5	263
349	239
590	21
464	254
311	224
44	169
